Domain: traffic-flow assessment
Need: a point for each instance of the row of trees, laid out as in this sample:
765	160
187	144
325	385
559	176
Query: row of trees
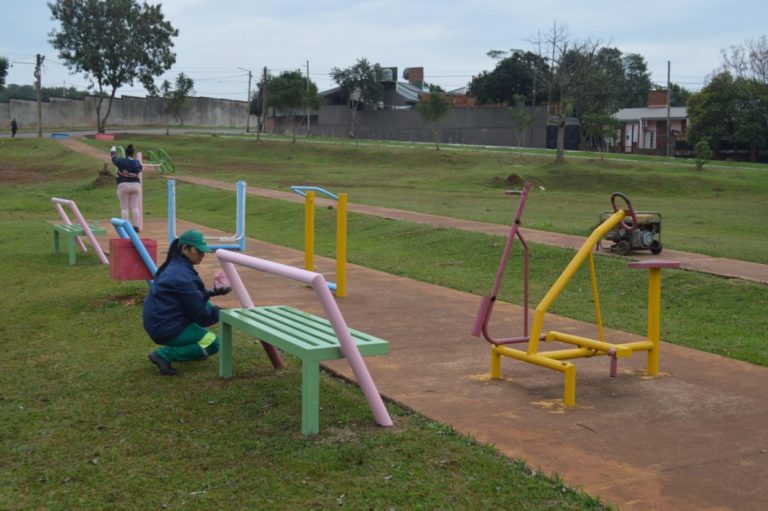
28	93
732	109
579	78
293	94
575	78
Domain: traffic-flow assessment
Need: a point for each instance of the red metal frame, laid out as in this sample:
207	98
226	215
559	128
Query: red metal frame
485	310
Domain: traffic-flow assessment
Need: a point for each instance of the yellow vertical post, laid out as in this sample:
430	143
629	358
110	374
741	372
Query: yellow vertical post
584	252
596	298
569	394
309	231
654	319
341	246
495	363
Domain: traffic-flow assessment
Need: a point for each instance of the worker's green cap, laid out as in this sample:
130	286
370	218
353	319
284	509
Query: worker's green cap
193	238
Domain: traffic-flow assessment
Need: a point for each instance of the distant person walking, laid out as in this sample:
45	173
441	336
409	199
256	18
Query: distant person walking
128	185
14	128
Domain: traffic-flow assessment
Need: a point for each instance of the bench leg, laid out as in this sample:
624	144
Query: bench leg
310	397
55	242
71	251
225	351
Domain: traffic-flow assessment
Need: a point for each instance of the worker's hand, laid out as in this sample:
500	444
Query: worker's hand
218	291
220	280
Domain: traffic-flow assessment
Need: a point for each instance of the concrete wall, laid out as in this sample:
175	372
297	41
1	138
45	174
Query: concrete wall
63	113
480	126
483	126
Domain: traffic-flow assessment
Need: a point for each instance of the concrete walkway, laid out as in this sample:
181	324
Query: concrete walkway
692	439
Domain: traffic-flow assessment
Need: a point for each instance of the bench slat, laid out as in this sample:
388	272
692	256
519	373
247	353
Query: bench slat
305	328
77	229
299	333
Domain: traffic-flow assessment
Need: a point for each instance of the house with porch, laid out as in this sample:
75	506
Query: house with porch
644	130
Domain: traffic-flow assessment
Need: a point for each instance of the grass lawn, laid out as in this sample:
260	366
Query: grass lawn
87	425
717	211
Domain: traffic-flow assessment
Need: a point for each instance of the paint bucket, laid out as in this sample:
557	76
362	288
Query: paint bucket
125	263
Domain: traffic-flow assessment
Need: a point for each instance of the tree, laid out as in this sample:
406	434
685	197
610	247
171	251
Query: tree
113	43
600	129
432	108
290	92
637	82
702	152
730	110
257	105
710	111
574	83
176	103
749	64
679	95
515	75
27	92
360	86
3	71
523	117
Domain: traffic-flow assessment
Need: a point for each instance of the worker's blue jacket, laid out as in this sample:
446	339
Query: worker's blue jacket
176	299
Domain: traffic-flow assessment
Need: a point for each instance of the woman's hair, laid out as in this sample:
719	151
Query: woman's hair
174	249
129	150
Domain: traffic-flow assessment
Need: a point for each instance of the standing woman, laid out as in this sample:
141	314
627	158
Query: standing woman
128	185
14	127
177	309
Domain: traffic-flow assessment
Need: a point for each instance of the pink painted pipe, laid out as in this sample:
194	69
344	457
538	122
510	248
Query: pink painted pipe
245	300
57	203
347	346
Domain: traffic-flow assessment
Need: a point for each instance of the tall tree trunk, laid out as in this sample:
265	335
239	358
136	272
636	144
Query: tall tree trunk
560	157
353	119
99	128
103	123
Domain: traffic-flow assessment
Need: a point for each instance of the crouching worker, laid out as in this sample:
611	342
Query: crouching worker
177	309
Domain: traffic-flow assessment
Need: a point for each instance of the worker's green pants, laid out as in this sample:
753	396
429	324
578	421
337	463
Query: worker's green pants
194	343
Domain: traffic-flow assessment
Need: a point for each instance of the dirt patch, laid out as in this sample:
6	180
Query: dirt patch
512	180
104	178
13	176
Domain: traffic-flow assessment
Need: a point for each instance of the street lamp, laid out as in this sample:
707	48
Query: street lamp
248	102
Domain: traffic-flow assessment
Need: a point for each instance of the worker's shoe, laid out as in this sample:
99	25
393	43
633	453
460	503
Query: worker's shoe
162	364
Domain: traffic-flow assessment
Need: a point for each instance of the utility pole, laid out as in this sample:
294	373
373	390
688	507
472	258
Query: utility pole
306	109
669	101
248	102
264	99
38	66
248	111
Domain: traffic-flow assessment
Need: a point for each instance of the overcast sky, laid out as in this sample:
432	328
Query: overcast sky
448	38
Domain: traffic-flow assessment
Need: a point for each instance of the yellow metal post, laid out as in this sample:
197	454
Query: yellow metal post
654	319
495	363
596	297
309	231
341	246
569	393
582	254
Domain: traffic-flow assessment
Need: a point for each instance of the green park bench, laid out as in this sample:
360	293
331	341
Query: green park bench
70	232
307	337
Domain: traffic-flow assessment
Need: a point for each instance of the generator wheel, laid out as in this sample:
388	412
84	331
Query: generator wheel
623	247
656	247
